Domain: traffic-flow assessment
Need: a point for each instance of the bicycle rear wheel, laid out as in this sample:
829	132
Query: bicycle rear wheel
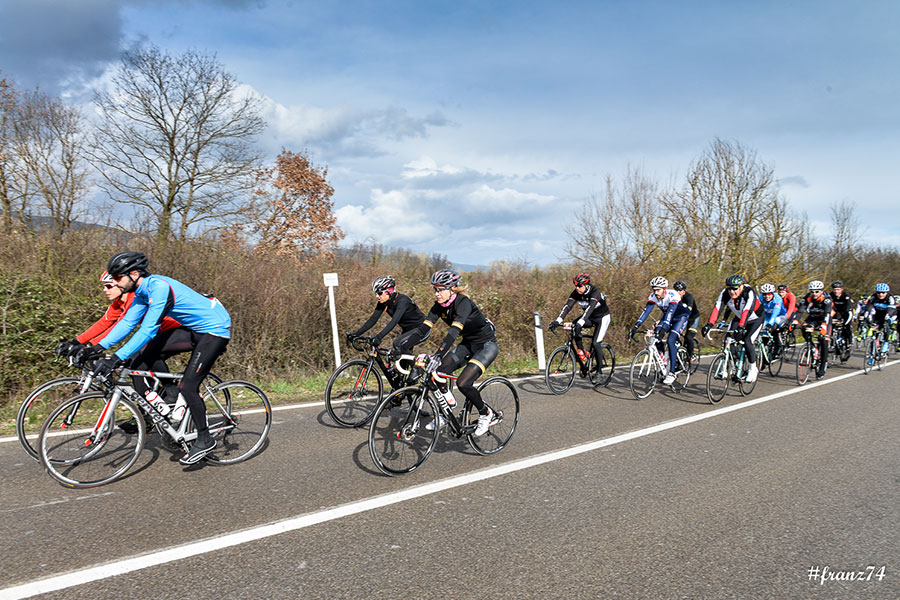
398	440
353	392
804	363
76	455
38	405
643	376
682	370
695	359
601	376
775	364
560	372
501	397
239	416
717	378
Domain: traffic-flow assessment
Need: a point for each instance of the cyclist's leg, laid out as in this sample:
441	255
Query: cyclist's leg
600	328
152	357
207	349
479	362
678	327
576	334
754	328
689	335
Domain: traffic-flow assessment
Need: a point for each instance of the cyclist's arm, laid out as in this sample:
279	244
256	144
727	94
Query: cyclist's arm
161	296
403	304
98	330
647	310
565	309
716	309
749	306
464	309
376	314
667	316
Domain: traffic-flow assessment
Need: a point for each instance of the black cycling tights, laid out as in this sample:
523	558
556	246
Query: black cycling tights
465	382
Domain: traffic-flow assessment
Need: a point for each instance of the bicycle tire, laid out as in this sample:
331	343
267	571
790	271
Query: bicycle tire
777	363
354	403
239	415
113	451
804	363
869	357
695	360
643	375
38	404
501	396
682	371
602	377
882	357
717	378
746	387
560	372
398	440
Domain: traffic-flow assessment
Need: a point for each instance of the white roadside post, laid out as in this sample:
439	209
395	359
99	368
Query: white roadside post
539	336
331	280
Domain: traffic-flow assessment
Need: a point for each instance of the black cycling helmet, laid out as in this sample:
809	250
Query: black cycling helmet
126	262
837	284
383	284
782	286
445	278
680	286
734	281
581	279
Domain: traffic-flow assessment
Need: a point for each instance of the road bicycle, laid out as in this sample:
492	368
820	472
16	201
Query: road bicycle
766	354
839	347
400	441
651	365
82	443
788	342
357	386
730	365
810	357
564	363
877	349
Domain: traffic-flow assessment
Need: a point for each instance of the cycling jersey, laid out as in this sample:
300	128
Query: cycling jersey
818	310
880	310
843	305
790	303
158	296
689	301
592	301
775	311
113	315
746	307
465	319
403	311
671	306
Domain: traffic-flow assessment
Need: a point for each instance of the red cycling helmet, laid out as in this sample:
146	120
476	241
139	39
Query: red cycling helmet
582	279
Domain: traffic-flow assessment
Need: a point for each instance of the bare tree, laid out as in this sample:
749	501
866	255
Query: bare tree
11	172
845	228
294	211
175	139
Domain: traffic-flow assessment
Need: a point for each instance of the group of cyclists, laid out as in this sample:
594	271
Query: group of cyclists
172	318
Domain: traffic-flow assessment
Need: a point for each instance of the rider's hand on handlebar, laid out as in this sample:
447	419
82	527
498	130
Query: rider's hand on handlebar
434	362
349	336
554	325
632	331
706	329
107	365
87	354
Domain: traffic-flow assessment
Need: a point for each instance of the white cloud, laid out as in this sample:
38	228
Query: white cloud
488	199
391	218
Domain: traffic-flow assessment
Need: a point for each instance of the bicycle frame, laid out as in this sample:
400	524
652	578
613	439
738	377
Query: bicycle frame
430	384
375	353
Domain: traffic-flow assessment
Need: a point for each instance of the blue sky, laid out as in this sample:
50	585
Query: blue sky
478	129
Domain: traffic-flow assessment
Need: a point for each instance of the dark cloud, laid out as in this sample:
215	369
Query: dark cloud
51	43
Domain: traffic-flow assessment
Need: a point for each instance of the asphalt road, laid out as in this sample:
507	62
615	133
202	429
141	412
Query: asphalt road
742	504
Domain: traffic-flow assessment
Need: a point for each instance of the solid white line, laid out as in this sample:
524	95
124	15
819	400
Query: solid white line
152	559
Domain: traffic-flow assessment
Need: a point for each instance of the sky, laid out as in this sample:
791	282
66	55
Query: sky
478	130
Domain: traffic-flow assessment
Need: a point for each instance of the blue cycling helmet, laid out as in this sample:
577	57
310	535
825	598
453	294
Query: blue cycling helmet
882	287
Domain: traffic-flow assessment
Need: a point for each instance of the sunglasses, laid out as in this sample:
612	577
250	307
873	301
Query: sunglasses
108	286
438	289
733	289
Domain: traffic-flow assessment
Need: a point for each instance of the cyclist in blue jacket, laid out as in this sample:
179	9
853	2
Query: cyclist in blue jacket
775	314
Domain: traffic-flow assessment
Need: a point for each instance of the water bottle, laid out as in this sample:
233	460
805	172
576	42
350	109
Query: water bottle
180	407
448	398
158	403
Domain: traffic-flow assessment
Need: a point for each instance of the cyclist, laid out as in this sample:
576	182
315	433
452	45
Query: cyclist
687	299
205	330
789	299
843	309
776	314
881	310
403	311
477	346
818	307
675	319
596	314
748	319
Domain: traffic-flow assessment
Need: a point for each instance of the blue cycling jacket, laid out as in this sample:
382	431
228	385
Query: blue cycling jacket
159	297
774	308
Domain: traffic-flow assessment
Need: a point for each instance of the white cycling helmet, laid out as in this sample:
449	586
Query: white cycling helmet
659	282
767	288
815	285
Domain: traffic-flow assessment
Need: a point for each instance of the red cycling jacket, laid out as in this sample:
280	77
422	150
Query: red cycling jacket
113	315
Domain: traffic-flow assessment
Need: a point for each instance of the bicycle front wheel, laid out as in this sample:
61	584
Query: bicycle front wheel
746	387
869	358
239	416
353	392
882	357
560	372
804	363
500	395
643	376
38	405
717	379
601	371
80	451
398	441
775	364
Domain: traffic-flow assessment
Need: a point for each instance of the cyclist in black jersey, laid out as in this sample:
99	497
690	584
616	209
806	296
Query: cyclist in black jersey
477	346
842	304
403	312
880	310
690	333
818	308
596	314
749	316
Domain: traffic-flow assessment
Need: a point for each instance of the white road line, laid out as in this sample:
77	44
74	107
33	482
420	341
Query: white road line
152	559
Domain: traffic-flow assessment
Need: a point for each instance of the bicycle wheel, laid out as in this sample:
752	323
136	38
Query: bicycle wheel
682	370
804	363
717	378
882	357
352	393
76	455
239	416
695	359
398	440
789	346
603	375
644	375
37	405
746	387
869	358
775	364
560	372
502	398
